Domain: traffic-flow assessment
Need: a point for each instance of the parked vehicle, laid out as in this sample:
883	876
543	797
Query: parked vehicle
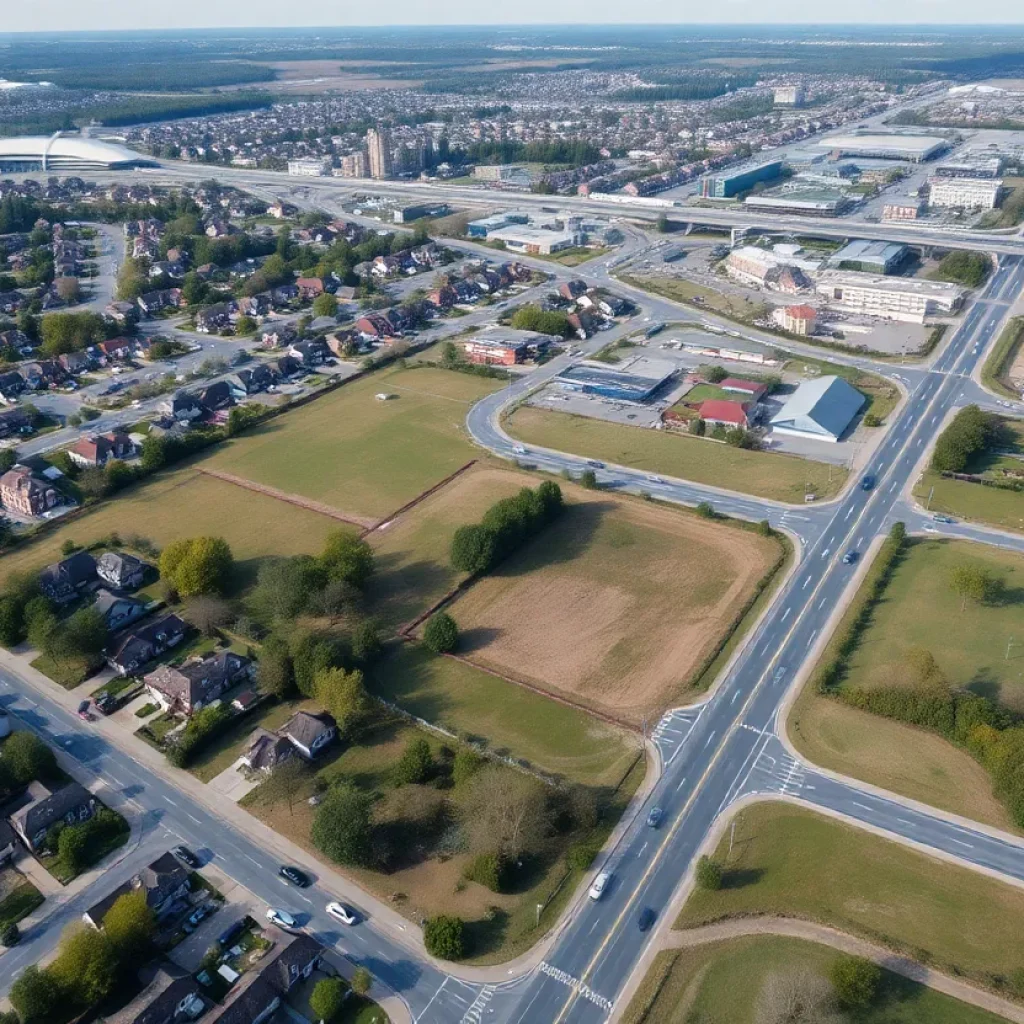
599	885
295	876
186	856
228	936
83	711
282	919
341	912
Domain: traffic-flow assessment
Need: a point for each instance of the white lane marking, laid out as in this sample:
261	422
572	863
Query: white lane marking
864	807
785	615
682	782
806	583
173	803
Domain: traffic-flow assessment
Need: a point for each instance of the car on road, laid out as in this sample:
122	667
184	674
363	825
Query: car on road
282	919
657	480
518	449
599	885
654	817
295	876
939	518
595	463
850	557
186	856
83	711
646	919
341	912
867	482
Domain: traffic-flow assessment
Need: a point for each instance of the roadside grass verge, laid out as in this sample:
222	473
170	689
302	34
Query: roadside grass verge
19	903
1001	359
791	862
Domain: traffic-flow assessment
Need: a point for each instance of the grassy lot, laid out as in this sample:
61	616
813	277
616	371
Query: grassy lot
413	569
552	737
359	455
702	297
580	610
707	393
765	474
186	503
1011	209
792	862
993	373
973	502
19	903
69	673
574	257
719	983
882	396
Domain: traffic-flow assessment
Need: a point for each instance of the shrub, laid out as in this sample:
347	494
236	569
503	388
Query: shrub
416	764
441	634
872	420
327	998
10	935
342	828
581	855
445	937
709	874
588	479
855	981
705	510
490	870
362	981
466	764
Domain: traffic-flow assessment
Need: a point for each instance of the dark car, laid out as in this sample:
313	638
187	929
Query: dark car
867	482
295	876
106	703
230	934
83	711
646	919
595	463
654	817
186	856
850	557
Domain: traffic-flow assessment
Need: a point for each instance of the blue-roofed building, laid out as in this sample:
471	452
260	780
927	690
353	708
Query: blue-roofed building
485	225
822	409
615	384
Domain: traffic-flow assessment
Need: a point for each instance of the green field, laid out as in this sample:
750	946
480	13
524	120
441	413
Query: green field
974	502
767	475
791	862
554	738
360	455
719	983
187	503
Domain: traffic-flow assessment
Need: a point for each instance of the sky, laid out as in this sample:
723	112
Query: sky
67	15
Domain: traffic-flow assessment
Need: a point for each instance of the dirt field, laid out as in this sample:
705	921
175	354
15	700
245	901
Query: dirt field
327	76
616	606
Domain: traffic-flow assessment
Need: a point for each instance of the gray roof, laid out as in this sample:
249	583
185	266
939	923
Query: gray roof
46	806
823	407
159	1002
304	727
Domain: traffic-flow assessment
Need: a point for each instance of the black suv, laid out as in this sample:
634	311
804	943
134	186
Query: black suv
295	876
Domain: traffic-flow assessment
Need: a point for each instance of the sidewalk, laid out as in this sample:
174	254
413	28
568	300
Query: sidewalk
391	1004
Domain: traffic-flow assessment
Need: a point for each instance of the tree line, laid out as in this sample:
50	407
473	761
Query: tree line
970	433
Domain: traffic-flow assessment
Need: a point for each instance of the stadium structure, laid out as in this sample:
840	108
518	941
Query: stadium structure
67	153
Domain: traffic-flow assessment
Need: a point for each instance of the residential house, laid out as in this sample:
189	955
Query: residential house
173	996
310	353
15	340
139	646
255	306
251	380
155	301
385	266
164	881
216	396
197	682
572	290
444	297
288	366
279	337
118	610
100	448
375	326
122	312
751	388
114	350
24	493
76	362
15	421
45	374
722	412
267	750
310	733
612	305
309	288
120	571
8	842
343	344
283	295
64	581
214	319
41	808
584	323
11	302
12	384
218	228
184	405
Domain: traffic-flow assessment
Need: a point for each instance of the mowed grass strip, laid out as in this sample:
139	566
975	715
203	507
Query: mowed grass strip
791	862
360	454
765	474
187	503
510	719
616	605
975	502
719	983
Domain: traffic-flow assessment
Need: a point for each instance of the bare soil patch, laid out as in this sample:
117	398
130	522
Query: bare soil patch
616	606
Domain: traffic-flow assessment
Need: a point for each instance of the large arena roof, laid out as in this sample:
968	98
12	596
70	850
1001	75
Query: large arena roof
887	147
65	153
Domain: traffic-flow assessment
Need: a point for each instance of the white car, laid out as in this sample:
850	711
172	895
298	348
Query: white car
346	915
599	886
282	919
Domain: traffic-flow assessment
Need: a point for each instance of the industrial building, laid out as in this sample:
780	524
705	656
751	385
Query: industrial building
871	257
822	409
619	385
725	186
306	168
789	96
751	265
533	241
964	193
912	148
499	172
891	298
801	200
405	214
65	153
902	211
971	165
485	225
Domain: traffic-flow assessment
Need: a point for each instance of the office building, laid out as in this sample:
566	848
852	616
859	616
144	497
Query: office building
971	165
890	298
378	147
533	241
964	193
354	165
308	168
789	96
901	211
725	186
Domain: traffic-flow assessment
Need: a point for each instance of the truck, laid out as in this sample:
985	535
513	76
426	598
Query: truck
653	330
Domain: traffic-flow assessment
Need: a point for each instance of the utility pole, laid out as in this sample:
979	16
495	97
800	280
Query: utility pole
1008	646
931	491
732	836
540	907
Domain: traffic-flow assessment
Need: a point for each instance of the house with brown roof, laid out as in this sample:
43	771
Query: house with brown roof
309	287
720	411
22	492
172	996
197	682
100	448
139	646
164	881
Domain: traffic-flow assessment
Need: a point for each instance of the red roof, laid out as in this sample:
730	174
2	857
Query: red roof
750	387
720	410
802	312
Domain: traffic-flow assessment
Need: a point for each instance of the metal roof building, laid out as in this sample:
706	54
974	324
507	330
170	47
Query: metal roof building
65	153
822	409
895	146
615	384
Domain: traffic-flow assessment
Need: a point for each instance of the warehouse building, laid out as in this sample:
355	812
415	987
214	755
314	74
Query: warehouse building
533	241
964	193
619	385
752	265
891	298
485	225
914	149
801	200
871	257
725	186
822	409
405	214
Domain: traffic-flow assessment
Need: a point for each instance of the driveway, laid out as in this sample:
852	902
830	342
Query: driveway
232	783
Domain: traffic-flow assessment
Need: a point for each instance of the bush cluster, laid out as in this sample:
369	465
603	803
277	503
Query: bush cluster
969	434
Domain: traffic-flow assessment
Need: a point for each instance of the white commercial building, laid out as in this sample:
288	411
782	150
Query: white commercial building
897	146
749	264
65	153
821	409
533	241
789	95
964	193
308	168
891	298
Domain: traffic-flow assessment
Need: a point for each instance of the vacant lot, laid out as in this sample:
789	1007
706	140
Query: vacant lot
616	605
361	455
691	293
509	719
187	503
795	863
413	568
768	475
975	502
719	983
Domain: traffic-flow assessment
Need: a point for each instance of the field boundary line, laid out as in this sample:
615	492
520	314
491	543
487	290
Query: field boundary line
285	496
422	496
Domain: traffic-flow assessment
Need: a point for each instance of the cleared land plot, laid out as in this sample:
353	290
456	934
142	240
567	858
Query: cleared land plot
616	605
361	455
413	569
187	503
791	862
510	719
720	984
765	474
691	293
